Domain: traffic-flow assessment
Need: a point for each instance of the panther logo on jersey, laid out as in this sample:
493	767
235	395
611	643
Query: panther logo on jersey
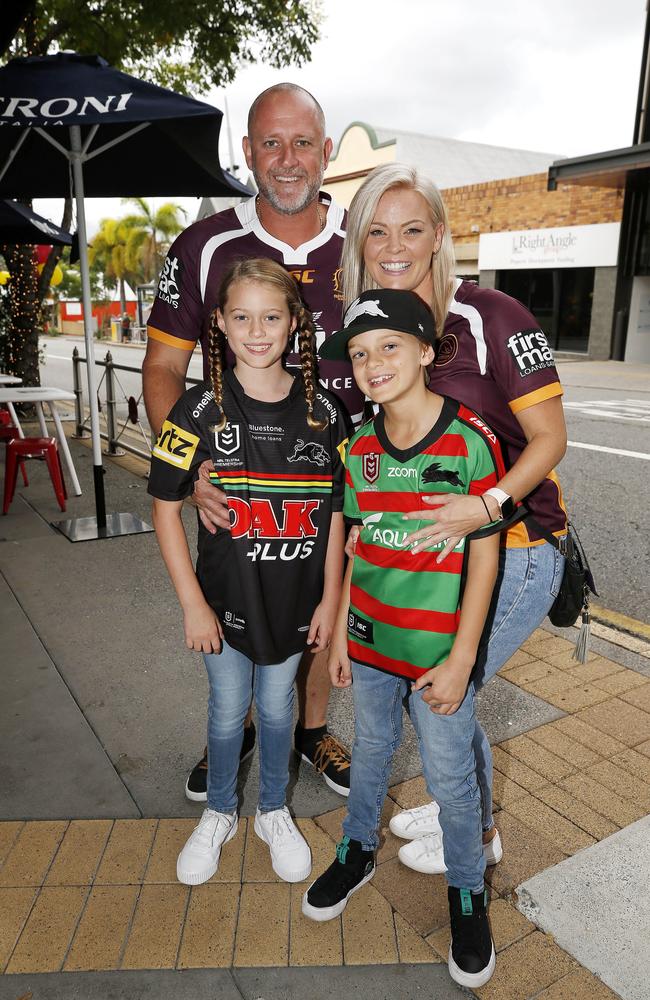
227	441
370	467
309	452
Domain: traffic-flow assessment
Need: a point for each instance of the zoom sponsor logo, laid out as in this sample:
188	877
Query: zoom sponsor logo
402	473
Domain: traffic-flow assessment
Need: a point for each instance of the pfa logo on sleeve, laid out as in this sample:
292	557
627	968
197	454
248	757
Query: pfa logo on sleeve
175	445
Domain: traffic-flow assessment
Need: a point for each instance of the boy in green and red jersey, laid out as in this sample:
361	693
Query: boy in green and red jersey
409	627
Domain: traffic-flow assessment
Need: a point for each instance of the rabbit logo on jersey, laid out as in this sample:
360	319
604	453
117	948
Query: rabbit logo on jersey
169	286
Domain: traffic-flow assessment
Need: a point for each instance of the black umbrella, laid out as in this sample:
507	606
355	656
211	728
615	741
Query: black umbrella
18	224
73	125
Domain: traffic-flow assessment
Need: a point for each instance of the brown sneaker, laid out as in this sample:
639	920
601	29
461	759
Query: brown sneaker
324	752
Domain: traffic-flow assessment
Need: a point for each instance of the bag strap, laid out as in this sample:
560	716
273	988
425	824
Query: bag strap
548	536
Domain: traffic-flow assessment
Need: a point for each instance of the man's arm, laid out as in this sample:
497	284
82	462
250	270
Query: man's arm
163	380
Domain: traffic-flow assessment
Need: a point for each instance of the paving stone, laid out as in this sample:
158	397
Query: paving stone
15	905
621	781
411	947
80	852
534	641
525	853
527	673
550	645
31	855
567	661
644	748
595	669
127	852
505	791
516	660
634	763
571	751
548	764
578	985
554	683
257	860
517	771
576	698
389	845
313	943
420	899
232	855
411	793
368	929
331	822
102	930
156	929
263	906
559	830
639	697
43	944
620	720
578	812
210	926
171	834
507	924
322	848
580	730
527	967
8	833
587	789
625	682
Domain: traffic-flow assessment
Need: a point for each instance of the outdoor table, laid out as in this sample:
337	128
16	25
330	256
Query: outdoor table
9	379
39	395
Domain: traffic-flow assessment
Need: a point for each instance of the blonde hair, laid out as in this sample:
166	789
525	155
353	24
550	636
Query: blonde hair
266	272
355	276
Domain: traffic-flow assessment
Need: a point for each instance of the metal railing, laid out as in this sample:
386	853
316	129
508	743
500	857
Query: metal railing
112	432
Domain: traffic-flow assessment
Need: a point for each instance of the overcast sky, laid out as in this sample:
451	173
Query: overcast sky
557	76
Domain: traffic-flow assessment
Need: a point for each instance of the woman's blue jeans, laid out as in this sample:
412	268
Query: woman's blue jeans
233	679
456	755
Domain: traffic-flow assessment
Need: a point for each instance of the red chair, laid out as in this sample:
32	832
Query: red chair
43	448
8	430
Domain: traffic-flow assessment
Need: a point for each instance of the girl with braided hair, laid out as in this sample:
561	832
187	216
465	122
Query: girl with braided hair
268	588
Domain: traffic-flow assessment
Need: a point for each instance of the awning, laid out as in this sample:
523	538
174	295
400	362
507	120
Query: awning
608	169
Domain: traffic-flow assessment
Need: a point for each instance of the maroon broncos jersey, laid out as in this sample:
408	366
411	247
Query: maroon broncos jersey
494	358
199	257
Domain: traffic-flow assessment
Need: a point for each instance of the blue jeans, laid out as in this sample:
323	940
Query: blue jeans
233	678
527	584
447	761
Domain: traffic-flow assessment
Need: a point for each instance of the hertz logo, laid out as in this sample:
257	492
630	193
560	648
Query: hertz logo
176	445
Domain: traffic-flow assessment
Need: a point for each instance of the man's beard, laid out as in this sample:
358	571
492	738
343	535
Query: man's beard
301	198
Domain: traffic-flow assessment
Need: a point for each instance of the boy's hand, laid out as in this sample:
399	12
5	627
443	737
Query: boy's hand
338	665
203	631
353	538
444	687
321	627
212	503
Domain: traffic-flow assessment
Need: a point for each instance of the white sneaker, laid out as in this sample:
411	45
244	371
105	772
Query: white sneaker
426	854
410	824
290	854
199	859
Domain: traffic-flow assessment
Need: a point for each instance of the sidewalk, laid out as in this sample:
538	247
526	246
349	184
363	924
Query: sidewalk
102	714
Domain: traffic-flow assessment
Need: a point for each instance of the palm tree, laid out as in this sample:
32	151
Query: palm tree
107	254
149	235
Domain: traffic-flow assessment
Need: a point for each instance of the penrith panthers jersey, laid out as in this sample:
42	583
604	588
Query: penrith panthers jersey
283	480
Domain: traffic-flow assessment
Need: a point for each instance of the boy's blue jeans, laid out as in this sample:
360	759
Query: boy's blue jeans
447	760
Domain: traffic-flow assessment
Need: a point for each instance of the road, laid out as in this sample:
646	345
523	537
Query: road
607	407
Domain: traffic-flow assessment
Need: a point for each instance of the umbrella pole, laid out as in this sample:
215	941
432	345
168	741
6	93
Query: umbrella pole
98	471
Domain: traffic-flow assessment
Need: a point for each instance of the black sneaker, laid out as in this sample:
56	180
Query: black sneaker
471	952
327	897
324	752
196	786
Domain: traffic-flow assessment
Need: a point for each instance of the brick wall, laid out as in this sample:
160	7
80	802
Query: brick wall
524	203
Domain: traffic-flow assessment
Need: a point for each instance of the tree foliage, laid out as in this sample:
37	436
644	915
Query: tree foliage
188	46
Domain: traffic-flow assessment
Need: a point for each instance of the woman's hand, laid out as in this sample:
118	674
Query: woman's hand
212	503
338	664
322	625
454	517
444	687
353	538
203	632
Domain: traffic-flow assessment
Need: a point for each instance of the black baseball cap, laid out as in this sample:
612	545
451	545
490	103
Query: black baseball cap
381	309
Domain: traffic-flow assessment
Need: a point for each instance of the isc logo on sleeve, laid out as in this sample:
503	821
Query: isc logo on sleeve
176	445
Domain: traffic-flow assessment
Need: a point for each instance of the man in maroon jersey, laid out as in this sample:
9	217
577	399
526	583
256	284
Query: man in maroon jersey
293	222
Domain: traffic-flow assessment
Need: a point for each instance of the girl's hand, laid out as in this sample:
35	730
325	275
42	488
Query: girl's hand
203	632
353	538
454	517
338	665
322	625
447	687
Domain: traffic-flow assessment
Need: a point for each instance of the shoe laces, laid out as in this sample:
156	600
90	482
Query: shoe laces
209	825
421	813
431	843
330	751
282	829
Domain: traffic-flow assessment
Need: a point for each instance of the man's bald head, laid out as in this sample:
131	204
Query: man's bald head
277	91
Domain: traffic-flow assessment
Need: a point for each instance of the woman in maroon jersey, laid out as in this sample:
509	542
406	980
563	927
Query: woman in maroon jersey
493	357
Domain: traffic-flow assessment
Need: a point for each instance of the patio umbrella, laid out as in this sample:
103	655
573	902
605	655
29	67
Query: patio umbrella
18	224
73	125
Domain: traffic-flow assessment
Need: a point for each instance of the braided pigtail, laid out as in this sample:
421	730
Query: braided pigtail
307	351
215	352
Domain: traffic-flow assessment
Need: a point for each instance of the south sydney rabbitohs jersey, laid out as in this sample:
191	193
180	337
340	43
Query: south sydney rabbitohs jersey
494	358
404	608
199	257
283	479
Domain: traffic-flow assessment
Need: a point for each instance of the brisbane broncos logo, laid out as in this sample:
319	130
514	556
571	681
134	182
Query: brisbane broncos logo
434	474
310	452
